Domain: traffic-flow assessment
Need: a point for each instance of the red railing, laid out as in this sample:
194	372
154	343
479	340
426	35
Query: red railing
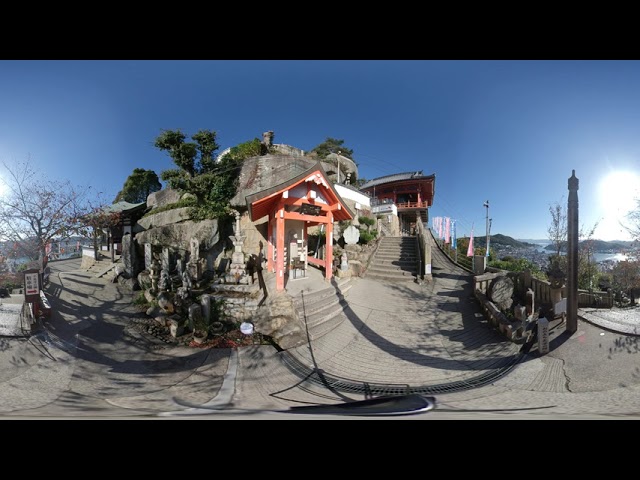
412	205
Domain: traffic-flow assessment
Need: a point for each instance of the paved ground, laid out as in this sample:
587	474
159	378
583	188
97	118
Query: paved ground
89	363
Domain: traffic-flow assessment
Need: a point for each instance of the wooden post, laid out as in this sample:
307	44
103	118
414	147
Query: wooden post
280	249
328	264
270	240
572	254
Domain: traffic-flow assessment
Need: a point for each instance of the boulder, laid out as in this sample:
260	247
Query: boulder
279	320
500	292
162	198
179	236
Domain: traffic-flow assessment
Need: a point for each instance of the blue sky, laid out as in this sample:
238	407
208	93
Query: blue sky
505	131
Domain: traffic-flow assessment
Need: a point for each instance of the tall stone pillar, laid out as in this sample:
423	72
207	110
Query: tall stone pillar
148	257
129	257
572	255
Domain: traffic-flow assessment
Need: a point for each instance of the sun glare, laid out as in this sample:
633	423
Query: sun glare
619	194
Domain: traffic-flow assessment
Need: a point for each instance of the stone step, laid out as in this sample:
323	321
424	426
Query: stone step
319	304
397	240
103	268
320	295
325	315
390	253
404	248
394	269
391	277
397	260
327	326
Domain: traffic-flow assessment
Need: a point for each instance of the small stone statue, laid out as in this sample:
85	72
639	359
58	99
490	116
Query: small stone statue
165	281
186	280
180	265
154	274
267	142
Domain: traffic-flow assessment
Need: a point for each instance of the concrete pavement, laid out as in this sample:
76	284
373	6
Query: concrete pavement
424	338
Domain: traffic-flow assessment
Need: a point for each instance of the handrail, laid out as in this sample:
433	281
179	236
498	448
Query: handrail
412	205
419	272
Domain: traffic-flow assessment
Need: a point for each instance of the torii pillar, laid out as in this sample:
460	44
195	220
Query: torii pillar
572	254
280	266
328	266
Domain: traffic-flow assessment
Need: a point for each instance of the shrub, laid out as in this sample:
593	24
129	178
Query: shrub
368	221
366	237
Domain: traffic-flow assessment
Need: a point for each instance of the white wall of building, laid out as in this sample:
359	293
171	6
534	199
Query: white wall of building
357	197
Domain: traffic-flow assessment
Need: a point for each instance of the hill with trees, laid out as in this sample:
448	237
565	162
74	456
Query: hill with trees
500	239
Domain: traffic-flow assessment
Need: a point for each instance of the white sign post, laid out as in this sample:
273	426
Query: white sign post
543	335
31	286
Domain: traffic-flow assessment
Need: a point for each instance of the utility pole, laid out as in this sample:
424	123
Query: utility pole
339	152
486	205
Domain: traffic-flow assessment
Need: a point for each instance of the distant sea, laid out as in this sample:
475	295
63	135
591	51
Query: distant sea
599	257
20	260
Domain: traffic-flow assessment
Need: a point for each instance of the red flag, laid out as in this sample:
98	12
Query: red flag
447	230
470	249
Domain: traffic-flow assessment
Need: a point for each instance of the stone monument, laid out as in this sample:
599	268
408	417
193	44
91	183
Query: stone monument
148	257
155	275
237	271
195	265
351	235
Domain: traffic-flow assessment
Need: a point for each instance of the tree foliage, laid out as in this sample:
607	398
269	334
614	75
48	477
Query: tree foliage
138	186
35	210
331	145
97	221
625	277
213	184
512	264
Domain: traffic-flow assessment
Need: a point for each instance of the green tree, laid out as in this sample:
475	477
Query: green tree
512	264
359	182
192	158
212	183
138	186
625	277
98	221
331	145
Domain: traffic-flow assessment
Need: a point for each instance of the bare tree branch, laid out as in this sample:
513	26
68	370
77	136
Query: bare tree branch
34	210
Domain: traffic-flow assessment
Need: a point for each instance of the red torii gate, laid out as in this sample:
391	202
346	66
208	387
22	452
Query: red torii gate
310	198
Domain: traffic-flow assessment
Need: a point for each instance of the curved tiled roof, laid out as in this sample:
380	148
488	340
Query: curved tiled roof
414	175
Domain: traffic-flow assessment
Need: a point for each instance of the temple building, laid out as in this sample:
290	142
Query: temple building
407	195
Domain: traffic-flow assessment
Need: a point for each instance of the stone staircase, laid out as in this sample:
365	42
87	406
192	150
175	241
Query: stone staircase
323	309
100	267
384	229
395	260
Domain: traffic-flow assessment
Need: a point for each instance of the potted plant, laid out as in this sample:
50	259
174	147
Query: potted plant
200	329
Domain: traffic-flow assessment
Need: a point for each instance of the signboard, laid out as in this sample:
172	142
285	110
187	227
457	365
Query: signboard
307	209
543	335
383	208
31	286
